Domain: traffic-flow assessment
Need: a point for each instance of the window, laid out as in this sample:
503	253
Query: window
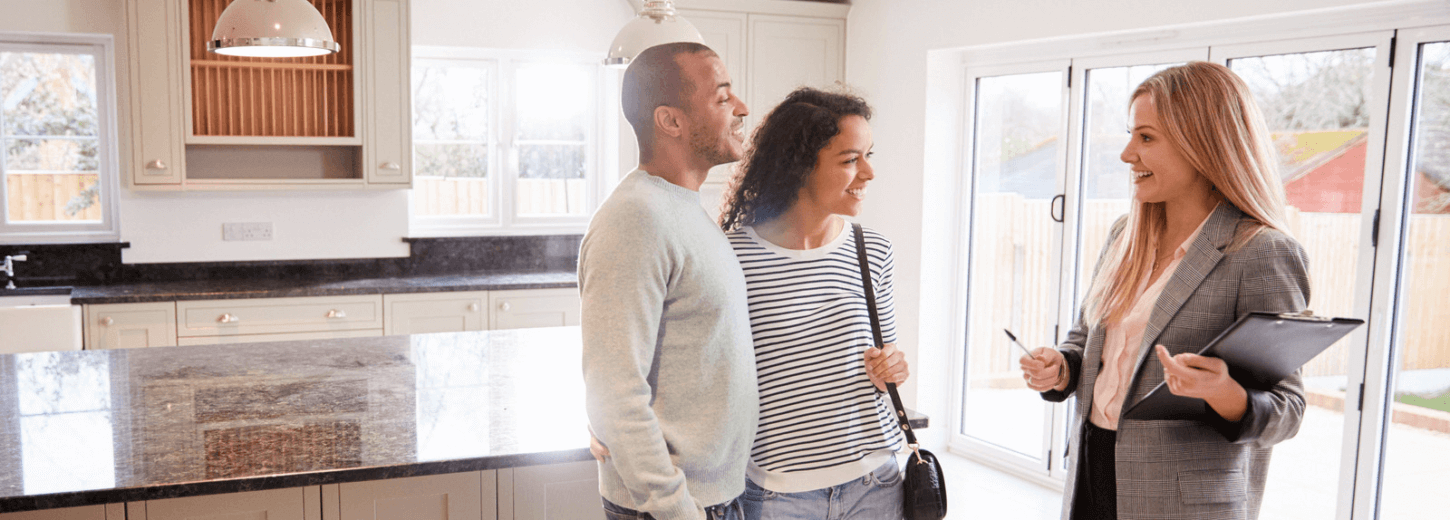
59	167
504	142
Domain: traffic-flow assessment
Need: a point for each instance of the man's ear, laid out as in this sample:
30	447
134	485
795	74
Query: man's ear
669	121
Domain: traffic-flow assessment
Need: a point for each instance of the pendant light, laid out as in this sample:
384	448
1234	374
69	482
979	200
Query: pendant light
657	23
271	29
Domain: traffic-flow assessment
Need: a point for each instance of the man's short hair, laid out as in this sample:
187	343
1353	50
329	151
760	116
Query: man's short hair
655	79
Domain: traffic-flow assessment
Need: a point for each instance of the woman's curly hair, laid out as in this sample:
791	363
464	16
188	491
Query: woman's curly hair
783	152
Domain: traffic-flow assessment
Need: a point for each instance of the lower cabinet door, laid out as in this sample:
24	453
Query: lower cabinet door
526	308
271	504
433	497
418	313
568	491
130	325
69	513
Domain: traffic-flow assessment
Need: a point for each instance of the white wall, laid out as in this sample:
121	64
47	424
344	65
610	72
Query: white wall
186	227
887	59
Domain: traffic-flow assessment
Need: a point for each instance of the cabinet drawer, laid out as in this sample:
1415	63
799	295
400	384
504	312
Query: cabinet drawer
279	315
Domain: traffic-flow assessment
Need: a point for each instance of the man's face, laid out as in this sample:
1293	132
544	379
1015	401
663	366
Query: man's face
715	116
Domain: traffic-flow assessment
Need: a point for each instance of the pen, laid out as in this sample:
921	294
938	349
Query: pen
1018	343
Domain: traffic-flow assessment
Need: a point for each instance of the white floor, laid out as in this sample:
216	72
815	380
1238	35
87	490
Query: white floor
1303	478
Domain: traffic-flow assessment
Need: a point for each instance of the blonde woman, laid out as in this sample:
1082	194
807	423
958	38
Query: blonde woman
1204	243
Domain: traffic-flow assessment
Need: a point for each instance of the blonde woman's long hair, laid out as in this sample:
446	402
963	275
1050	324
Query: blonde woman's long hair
1210	116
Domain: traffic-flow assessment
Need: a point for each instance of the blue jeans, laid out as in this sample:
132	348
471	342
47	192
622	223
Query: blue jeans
729	510
875	496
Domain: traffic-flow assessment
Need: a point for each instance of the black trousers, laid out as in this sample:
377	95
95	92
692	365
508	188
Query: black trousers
1096	497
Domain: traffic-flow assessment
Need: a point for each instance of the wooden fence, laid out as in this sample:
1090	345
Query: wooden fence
43	197
1012	280
470	196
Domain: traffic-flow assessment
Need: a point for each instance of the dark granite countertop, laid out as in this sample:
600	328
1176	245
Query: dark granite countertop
217	289
92	427
107	426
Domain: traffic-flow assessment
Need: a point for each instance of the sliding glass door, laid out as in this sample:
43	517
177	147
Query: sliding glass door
1017	140
1319	97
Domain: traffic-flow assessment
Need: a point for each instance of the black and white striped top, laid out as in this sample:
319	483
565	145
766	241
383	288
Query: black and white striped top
822	422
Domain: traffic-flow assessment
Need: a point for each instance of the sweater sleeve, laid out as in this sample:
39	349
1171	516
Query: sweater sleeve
624	275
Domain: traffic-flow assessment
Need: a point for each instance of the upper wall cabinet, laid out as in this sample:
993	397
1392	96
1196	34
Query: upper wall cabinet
208	121
770	47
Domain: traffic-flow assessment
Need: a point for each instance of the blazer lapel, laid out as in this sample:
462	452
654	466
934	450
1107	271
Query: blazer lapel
1200	259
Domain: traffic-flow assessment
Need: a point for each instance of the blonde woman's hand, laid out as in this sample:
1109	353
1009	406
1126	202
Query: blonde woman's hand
1207	378
1044	370
886	365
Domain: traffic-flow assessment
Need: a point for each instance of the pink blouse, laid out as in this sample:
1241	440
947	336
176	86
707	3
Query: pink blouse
1124	341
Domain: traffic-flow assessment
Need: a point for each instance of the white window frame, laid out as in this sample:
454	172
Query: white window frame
503	147
102	48
1411	22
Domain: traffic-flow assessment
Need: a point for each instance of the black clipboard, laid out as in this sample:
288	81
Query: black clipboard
1291	340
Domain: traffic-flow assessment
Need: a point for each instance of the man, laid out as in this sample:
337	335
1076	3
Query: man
669	371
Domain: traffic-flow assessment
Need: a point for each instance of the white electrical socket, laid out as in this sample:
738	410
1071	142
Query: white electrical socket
247	231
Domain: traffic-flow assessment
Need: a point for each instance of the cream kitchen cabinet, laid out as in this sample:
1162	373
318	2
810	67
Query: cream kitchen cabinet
568	491
433	497
207	322
770	47
527	308
202	121
98	512
130	325
480	310
300	503
417	313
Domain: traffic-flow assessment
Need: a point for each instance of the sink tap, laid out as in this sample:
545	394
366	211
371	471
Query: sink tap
9	268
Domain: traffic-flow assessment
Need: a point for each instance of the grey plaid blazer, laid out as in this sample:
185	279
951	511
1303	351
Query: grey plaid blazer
1191	469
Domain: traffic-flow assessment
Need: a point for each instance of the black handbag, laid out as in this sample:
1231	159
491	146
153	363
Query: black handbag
924	492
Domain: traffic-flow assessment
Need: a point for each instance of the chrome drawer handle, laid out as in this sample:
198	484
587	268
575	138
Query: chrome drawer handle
473	307
156	164
228	318
107	321
390	165
505	306
337	314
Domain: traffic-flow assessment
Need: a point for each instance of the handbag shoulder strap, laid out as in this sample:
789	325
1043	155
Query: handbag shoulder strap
876	330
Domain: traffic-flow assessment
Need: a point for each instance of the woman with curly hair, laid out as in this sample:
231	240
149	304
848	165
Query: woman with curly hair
827	435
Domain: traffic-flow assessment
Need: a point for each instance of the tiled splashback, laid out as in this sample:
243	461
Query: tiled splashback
100	264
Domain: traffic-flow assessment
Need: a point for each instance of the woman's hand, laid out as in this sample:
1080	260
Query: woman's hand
596	448
1192	375
886	365
1044	370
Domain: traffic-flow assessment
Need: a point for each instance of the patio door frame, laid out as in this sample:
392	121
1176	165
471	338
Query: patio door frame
1377	391
1026	467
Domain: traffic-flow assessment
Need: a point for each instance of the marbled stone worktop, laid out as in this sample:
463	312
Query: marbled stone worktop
108	426
217	289
92	427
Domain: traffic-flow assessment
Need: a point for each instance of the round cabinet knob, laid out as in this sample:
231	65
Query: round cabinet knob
228	318
473	307
390	165
337	314
156	164
107	321
505	306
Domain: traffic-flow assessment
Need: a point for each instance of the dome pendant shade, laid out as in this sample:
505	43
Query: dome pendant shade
271	29
656	24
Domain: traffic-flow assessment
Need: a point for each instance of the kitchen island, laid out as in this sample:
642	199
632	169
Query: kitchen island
143	426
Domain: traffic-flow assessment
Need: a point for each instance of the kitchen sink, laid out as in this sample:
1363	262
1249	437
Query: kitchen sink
38	319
